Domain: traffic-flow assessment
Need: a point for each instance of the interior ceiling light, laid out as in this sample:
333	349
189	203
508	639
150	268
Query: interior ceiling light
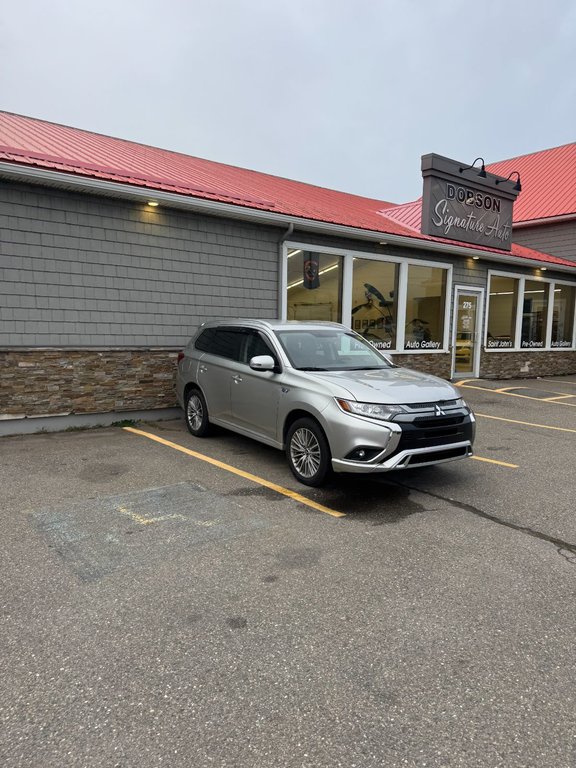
322	272
475	258
152	203
543	269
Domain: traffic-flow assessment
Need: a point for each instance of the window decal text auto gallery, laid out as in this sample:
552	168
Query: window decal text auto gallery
444	217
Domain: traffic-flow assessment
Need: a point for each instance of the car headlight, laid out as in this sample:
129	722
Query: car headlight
370	410
460	403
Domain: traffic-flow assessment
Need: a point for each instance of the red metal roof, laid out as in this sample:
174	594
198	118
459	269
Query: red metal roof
410	214
40	144
548	182
47	145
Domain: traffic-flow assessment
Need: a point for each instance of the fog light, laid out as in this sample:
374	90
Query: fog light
363	453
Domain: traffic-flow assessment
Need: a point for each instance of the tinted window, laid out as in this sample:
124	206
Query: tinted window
255	345
224	342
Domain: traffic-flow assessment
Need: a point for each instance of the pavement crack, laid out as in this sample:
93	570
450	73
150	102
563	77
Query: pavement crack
564	548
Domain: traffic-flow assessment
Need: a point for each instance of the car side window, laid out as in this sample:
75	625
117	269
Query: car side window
223	342
256	345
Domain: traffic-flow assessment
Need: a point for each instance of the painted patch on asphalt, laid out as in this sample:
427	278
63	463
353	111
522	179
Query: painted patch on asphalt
96	537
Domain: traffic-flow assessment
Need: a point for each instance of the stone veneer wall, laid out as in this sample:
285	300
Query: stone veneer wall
438	364
55	382
51	382
526	365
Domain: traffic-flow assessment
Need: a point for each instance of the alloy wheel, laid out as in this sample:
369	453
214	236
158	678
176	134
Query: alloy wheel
305	452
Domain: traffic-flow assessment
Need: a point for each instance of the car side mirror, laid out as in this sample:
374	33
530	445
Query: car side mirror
262	363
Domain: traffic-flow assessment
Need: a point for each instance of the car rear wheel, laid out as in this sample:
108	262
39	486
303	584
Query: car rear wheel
196	413
308	452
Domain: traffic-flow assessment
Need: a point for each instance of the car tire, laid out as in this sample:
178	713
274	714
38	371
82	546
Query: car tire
308	452
196	414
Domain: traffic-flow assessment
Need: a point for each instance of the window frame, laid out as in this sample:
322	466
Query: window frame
347	281
550	283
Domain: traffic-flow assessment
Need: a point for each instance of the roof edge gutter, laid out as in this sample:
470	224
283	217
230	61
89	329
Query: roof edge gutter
544	220
88	185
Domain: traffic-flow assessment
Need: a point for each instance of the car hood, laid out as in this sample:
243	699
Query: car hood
393	386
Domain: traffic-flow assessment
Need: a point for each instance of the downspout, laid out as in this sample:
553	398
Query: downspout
282	272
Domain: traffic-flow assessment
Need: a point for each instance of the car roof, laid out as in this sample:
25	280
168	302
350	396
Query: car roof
274	325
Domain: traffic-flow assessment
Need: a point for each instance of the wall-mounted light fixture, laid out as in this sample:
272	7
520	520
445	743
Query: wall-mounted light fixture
543	269
475	258
481	172
153	203
517	187
382	242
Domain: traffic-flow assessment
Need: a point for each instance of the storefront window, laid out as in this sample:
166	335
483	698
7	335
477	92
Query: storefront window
563	316
534	314
502	312
314	286
374	301
425	308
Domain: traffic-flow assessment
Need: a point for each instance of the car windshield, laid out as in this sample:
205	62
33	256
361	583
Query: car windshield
330	350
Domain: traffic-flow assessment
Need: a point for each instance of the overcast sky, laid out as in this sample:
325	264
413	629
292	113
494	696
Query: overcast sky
345	94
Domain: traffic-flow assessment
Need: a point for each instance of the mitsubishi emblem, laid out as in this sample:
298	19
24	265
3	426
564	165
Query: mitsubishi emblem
438	411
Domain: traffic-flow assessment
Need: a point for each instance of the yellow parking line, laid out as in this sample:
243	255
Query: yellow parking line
493	461
515	394
525	423
234	470
556	397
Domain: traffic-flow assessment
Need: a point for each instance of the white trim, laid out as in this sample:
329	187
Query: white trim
366	254
549	317
541	278
479	333
283	281
519	306
401	309
519	311
74	182
346	297
348	257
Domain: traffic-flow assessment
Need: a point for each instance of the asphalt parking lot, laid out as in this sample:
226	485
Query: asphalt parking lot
184	602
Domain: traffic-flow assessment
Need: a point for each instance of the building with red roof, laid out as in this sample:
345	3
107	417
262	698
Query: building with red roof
113	252
545	214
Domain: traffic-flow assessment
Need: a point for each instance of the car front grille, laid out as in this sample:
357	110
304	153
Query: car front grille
427	406
430	432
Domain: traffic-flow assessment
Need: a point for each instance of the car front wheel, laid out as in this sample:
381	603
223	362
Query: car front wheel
308	452
196	414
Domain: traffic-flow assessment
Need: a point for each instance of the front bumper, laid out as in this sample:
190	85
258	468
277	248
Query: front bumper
418	438
420	457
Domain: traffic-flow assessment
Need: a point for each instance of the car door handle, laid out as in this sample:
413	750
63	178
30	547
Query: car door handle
237	379
202	369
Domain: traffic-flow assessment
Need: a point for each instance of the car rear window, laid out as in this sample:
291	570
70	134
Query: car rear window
223	342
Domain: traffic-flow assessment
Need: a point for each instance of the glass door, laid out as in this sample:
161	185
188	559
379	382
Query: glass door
467	324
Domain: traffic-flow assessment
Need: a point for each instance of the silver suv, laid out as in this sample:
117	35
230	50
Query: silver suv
323	394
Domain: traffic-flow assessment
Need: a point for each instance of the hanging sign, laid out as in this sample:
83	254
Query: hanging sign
311	269
459	204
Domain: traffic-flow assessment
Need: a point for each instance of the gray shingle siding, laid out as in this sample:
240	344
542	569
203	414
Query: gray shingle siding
80	270
556	239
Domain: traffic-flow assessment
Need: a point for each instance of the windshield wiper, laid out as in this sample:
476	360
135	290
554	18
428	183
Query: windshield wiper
367	368
311	368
